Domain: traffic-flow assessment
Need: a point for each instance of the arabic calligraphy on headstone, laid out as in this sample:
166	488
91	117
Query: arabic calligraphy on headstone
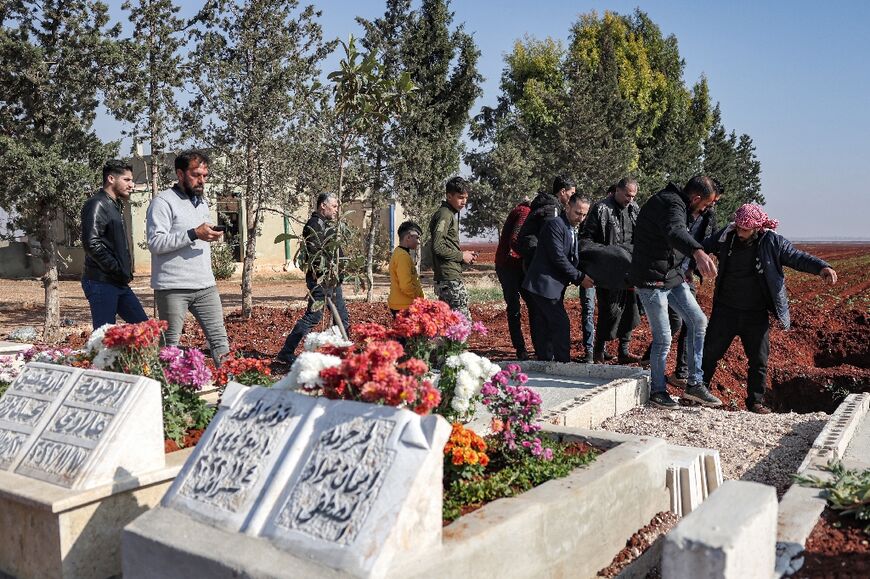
340	481
232	460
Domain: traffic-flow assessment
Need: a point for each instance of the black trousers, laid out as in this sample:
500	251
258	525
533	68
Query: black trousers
618	316
511	280
552	329
753	328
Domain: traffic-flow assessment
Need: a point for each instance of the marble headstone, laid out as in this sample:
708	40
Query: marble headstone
80	428
348	485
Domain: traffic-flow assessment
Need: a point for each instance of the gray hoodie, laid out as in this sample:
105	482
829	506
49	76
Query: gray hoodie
177	262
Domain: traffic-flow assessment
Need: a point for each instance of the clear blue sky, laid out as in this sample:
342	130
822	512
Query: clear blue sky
794	75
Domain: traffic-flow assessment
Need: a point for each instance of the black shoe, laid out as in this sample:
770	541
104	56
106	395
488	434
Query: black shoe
699	393
662	400
601	357
627	358
284	361
523	355
587	359
677	382
759	408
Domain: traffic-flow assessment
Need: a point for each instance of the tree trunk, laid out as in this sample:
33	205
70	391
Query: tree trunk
51	328
371	239
153	96
336	318
252	217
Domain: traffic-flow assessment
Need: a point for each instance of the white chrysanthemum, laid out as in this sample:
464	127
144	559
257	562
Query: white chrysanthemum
105	358
332	336
95	342
453	361
305	371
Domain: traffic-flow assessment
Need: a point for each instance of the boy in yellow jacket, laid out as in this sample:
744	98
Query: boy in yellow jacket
405	285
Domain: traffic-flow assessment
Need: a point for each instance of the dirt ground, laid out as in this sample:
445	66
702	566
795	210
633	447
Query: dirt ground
823	357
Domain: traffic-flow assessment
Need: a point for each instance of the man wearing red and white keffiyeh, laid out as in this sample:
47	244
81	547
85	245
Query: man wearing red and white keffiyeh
750	284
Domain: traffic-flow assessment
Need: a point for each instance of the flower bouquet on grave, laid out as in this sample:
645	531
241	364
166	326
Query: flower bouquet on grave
247	371
135	349
374	370
434	332
510	461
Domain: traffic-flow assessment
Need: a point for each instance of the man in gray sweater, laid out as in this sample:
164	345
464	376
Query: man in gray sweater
179	238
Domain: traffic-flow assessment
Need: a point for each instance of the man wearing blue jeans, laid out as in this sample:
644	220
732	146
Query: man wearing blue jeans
661	241
108	269
179	238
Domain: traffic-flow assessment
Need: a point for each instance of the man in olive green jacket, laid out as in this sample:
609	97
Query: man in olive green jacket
447	257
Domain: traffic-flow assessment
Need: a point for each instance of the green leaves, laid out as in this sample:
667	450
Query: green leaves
847	491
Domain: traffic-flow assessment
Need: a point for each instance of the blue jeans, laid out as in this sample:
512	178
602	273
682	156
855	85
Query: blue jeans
312	317
656	301
108	301
587	305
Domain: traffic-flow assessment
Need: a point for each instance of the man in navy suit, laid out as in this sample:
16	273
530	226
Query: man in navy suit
554	266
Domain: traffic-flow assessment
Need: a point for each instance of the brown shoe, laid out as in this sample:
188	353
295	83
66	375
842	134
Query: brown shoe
759	408
677	382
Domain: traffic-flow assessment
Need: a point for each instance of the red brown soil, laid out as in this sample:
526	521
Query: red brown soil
638	543
190	439
837	547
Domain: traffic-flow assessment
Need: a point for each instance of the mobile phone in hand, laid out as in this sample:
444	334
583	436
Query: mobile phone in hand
218	228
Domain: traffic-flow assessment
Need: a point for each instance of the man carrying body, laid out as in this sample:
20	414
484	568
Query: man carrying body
554	266
318	231
611	222
661	240
751	284
509	270
545	206
179	238
701	226
447	257
108	269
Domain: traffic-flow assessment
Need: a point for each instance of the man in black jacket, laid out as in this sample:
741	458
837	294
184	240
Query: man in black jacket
750	285
108	268
554	266
318	232
544	206
661	242
700	227
611	222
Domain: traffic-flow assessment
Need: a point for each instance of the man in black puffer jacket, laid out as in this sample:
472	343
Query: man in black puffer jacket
108	268
661	242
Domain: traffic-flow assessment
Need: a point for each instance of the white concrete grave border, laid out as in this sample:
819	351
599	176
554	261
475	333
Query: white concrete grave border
800	507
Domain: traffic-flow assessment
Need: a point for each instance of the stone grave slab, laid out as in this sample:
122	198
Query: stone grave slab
575	394
345	485
80	428
27	406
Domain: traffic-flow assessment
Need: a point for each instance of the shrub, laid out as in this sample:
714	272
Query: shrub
223	262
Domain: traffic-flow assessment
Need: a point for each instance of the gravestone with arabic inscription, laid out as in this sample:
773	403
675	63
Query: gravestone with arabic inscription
348	485
80	429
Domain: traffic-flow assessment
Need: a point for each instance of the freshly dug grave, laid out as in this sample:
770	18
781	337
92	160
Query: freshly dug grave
642	540
837	547
754	447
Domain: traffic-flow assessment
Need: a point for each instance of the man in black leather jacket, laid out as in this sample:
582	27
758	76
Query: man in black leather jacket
108	268
318	230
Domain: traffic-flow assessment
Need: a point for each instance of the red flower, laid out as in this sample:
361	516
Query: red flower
368	331
141	335
424	319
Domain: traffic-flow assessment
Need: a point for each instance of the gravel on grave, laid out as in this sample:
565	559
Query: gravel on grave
765	448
